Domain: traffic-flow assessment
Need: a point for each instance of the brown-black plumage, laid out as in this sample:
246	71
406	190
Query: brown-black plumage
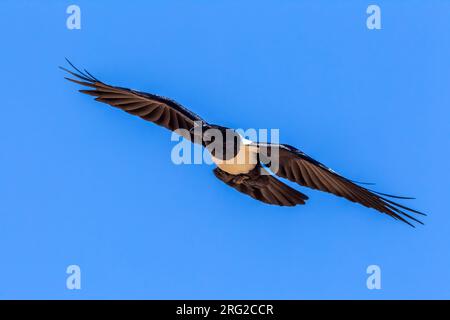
248	178
298	167
262	187
157	109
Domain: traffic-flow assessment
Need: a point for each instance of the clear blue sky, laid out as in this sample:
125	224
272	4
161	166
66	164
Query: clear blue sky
86	184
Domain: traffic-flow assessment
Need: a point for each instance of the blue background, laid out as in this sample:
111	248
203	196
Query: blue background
86	184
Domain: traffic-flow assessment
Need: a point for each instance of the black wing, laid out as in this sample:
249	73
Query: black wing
298	167
159	110
265	188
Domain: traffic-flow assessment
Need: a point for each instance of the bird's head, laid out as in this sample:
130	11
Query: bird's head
222	142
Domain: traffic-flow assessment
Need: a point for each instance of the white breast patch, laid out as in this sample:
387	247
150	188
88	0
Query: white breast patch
244	161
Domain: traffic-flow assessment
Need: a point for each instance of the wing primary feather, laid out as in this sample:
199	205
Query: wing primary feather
94	93
81	72
364	183
391	196
87	84
403	207
89	74
76	74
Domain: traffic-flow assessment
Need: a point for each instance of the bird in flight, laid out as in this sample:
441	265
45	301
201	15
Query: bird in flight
242	164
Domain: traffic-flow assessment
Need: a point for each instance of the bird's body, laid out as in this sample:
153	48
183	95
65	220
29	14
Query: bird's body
241	163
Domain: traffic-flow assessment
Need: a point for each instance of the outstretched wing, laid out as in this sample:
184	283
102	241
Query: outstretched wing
265	188
159	110
298	167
